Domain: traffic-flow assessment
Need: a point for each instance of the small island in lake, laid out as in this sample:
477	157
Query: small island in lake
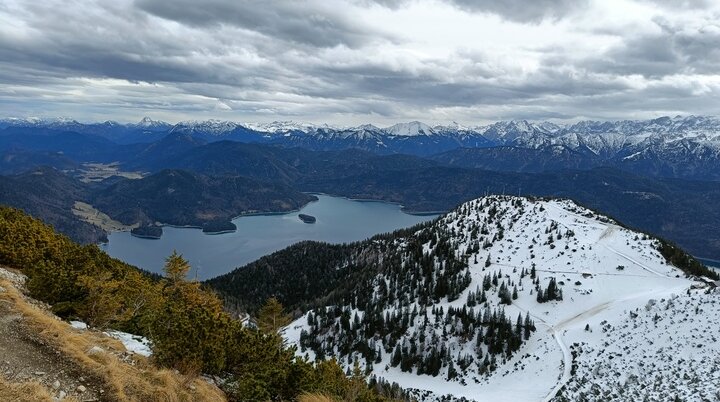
147	232
307	218
218	227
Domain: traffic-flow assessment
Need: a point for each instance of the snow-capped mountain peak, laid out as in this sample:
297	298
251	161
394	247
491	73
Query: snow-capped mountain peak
366	127
284	126
679	146
212	127
149	123
453	126
39	121
412	128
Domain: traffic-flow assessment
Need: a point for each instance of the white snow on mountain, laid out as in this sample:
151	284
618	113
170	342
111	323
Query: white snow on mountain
284	126
412	128
365	127
151	124
664	350
667	138
612	134
453	126
212	127
133	343
627	319
38	121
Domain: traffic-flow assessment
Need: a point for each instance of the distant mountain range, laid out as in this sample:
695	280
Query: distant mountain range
638	171
682	147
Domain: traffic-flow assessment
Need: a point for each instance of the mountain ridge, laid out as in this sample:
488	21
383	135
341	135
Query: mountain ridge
686	147
547	270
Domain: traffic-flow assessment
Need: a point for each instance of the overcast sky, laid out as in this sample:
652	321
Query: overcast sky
359	61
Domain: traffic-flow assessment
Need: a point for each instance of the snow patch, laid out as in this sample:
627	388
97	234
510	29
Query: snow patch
133	343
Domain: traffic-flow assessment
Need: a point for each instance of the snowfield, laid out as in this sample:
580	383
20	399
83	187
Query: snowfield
664	350
133	343
628	326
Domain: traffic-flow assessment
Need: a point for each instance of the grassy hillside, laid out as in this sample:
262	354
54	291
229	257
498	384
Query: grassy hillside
78	363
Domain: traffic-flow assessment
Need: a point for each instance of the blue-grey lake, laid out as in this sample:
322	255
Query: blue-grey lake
339	220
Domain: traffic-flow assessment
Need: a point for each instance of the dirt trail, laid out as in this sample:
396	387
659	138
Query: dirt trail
25	356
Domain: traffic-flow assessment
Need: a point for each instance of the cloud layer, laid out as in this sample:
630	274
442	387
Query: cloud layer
354	61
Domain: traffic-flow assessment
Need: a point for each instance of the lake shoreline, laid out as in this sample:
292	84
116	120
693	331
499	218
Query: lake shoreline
145	236
402	206
339	221
710	263
275	213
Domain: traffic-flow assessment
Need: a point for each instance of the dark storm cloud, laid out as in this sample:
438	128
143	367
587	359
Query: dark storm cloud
314	59
319	24
472	84
96	43
670	50
512	10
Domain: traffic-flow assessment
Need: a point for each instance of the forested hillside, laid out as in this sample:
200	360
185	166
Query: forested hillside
174	197
185	198
50	195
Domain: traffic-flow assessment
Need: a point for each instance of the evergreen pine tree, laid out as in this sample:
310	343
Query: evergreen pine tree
452	373
176	267
272	318
396	357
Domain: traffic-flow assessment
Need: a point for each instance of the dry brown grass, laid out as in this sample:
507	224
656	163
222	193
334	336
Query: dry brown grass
316	398
26	392
140	382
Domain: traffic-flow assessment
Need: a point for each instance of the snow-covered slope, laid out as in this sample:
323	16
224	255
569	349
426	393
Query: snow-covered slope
412	128
282	126
209	127
606	275
147	123
663	350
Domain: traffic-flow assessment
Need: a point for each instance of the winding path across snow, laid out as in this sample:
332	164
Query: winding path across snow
567	366
555	329
567	357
